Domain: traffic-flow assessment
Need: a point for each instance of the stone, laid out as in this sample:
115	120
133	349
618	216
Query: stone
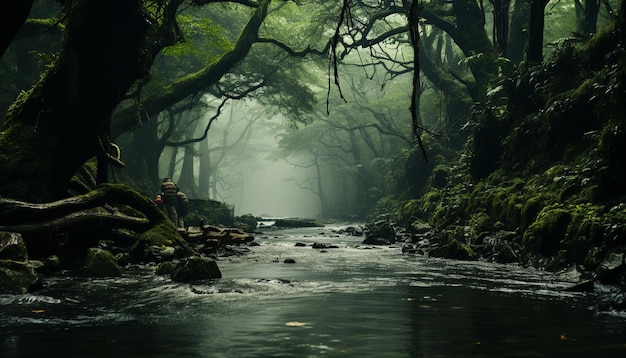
380	233
196	268
101	263
12	247
18	277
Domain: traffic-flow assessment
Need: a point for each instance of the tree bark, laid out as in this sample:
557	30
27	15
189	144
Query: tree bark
535	31
64	120
518	33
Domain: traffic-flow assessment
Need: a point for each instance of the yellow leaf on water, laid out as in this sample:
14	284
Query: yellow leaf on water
38	311
295	324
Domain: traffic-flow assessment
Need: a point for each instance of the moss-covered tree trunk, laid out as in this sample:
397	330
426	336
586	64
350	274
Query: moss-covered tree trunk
64	120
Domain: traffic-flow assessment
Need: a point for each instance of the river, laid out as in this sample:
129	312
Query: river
350	301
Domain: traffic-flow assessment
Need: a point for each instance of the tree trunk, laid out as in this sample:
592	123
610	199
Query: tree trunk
204	171
501	25
187	180
535	31
587	16
64	120
518	34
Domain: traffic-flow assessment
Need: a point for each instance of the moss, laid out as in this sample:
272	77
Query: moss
530	209
246	222
196	269
17	277
163	234
430	202
101	263
544	236
480	223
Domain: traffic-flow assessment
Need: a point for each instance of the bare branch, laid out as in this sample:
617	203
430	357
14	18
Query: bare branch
293	52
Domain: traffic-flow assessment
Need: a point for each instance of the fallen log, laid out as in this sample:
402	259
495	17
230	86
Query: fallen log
95	217
98	209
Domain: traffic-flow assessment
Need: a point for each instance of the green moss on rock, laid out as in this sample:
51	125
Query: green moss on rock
196	269
17	277
101	263
546	233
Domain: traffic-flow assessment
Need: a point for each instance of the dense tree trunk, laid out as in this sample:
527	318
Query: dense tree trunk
535	31
457	99
187	179
64	120
501	25
204	171
142	158
587	16
518	33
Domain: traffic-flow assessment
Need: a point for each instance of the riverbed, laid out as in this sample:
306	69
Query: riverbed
350	301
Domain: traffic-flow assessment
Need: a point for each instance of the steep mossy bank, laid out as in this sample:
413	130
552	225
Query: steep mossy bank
543	174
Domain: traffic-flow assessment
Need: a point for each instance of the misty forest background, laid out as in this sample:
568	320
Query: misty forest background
514	122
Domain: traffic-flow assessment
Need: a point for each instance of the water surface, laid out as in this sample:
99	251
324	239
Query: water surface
351	301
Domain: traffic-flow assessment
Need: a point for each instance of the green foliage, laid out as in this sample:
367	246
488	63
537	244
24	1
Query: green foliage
202	38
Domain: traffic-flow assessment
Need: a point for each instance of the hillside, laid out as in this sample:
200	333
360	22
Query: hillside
541	181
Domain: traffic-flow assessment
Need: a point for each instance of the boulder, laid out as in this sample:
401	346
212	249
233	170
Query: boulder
612	269
101	263
12	247
17	276
380	233
196	268
165	268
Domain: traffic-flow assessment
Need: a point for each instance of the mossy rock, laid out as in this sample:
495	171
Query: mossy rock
454	249
380	232
196	268
285	223
544	236
246	222
162	234
480	223
12	247
530	210
101	263
17	277
165	268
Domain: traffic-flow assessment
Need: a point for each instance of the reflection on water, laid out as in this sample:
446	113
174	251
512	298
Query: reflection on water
352	301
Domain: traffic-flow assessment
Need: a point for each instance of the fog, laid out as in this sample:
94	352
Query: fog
271	192
250	173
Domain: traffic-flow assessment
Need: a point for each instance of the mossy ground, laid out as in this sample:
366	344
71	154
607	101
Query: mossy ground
545	162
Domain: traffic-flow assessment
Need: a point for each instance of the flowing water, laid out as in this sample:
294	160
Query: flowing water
350	301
